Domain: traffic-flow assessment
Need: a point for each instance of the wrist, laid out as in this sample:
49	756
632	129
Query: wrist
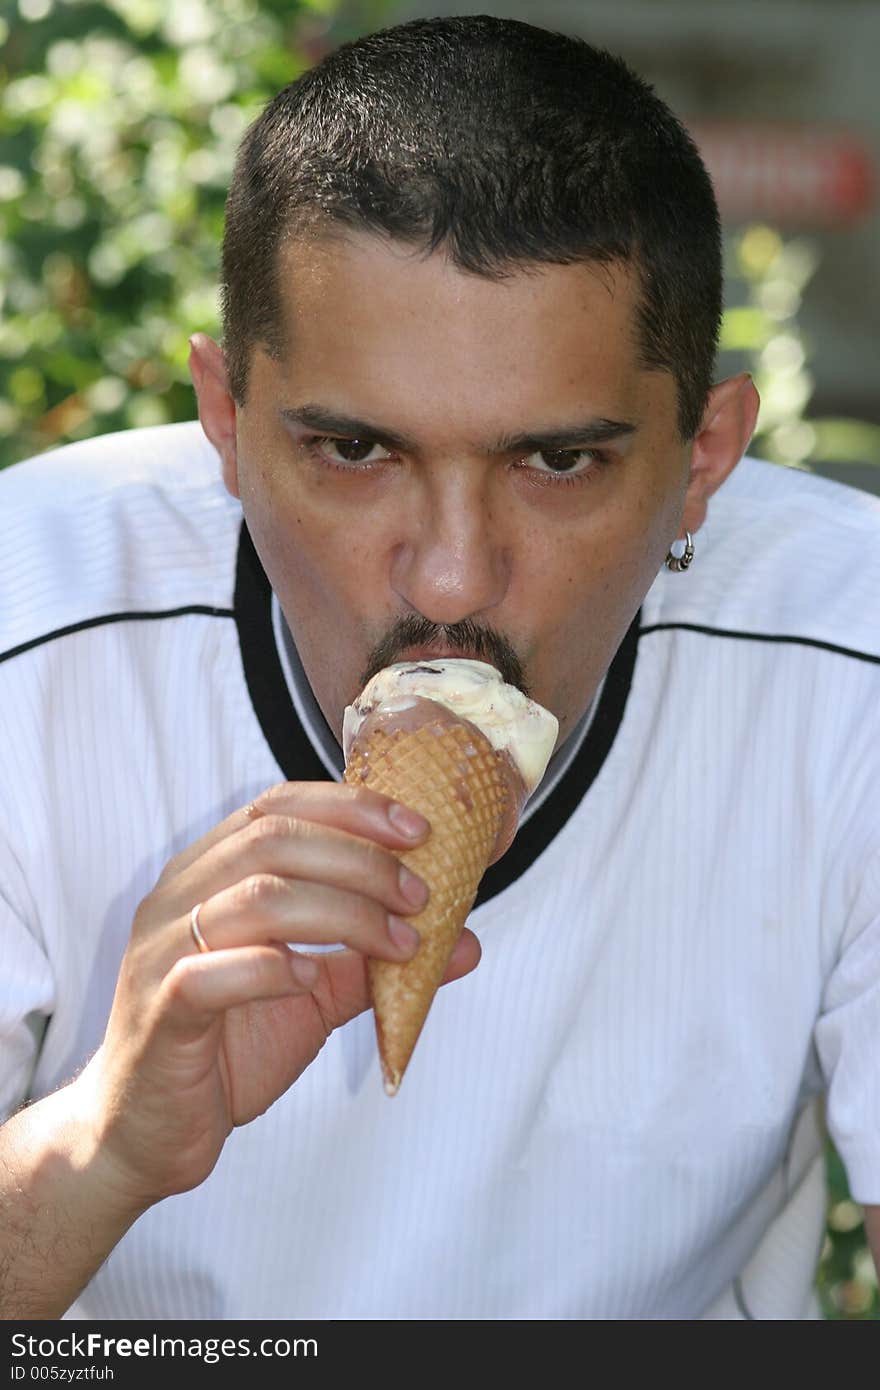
63	1207
84	1125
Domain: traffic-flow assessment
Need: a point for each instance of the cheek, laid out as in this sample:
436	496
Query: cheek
322	566
642	528
584	589
607	558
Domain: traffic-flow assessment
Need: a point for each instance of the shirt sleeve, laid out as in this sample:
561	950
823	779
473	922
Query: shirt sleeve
848	1042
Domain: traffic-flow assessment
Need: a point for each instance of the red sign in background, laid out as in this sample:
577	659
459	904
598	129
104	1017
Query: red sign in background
790	175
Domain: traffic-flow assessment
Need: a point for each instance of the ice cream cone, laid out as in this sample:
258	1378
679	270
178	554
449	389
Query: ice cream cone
471	794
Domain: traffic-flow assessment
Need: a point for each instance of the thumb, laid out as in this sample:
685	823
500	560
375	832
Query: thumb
341	991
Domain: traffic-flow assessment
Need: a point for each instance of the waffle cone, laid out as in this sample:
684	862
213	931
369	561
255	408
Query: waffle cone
449	771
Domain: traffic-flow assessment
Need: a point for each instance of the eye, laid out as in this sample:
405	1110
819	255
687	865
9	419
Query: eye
565	462
346	453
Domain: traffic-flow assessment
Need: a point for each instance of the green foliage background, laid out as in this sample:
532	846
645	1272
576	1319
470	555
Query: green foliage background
119	123
118	129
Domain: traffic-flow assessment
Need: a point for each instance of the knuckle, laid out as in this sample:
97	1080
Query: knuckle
380	865
168	872
141	916
178	986
270	801
368	919
304	830
258	892
363	798
147	913
272	827
272	833
268	830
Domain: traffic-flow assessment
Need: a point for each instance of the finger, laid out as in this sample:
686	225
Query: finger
357	810
341	991
465	958
277	847
201	987
266	907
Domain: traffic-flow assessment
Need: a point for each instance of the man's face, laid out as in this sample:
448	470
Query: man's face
454	449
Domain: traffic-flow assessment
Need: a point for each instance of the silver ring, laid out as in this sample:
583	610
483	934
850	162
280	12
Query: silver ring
194	929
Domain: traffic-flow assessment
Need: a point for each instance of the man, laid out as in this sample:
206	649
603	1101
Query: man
464	406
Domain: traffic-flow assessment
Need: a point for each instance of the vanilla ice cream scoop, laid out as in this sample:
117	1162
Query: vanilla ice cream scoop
472	690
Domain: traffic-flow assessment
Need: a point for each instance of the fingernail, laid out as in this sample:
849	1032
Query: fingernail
305	971
407	821
413	888
404	936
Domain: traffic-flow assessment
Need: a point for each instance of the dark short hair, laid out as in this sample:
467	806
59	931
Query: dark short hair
503	144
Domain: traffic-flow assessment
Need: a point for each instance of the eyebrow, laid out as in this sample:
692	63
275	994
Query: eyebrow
579	433
593	431
326	421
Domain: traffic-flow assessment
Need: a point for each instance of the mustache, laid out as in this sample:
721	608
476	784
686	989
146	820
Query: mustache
467	637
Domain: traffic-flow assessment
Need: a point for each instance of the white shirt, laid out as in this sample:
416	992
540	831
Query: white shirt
614	1116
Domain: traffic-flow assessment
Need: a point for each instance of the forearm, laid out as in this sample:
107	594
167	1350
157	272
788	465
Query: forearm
61	1213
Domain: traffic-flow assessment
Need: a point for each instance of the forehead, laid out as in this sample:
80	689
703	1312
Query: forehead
390	327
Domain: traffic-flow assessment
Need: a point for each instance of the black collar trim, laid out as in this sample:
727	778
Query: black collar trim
293	751
290	744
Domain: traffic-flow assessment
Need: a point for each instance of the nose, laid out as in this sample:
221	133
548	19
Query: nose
450	561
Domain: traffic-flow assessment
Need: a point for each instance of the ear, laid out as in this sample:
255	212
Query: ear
727	426
216	407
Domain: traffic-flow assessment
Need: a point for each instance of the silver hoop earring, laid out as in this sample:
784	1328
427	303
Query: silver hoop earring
677	563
